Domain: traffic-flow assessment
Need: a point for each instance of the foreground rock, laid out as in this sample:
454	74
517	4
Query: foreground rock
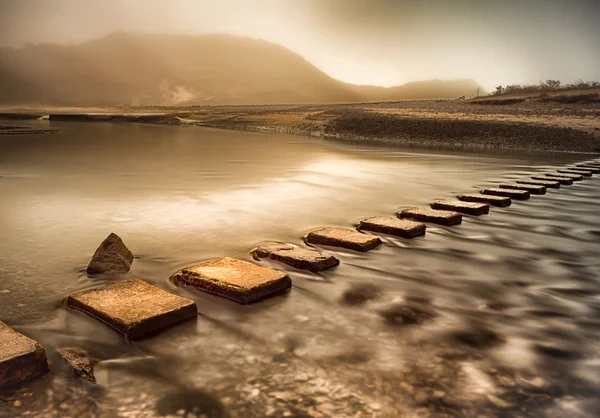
530	188
575	172
80	362
343	238
574	177
21	358
512	193
235	279
492	200
134	307
440	217
562	180
296	257
470	208
547	183
393	226
112	256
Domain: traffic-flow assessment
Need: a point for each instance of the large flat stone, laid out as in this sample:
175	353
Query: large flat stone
111	257
235	279
575	177
574	172
393	226
470	208
344	238
501	201
595	166
440	217
296	257
562	180
530	188
21	358
547	183
590	168
134	307
512	193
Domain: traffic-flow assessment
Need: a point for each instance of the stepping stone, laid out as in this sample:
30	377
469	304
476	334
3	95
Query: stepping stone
344	238
393	226
546	183
235	279
575	177
296	257
21	358
562	180
441	217
489	199
530	188
512	193
111	257
134	307
571	171
470	208
590	168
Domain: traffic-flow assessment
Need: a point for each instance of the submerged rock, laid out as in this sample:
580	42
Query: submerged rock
80	362
407	313
112	256
359	294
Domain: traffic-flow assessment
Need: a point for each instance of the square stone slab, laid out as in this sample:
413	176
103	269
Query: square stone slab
570	171
593	168
590	165
492	200
134	307
235	279
21	358
547	183
470	208
530	188
575	177
512	193
562	180
296	257
393	226
344	238
441	217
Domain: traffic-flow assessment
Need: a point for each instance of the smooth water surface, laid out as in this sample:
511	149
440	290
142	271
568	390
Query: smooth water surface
509	303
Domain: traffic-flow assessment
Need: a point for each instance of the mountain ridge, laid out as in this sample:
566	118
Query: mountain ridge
140	69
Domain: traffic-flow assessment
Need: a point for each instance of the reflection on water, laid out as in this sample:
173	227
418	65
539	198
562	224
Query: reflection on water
497	315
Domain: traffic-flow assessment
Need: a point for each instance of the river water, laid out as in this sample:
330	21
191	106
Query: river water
508	303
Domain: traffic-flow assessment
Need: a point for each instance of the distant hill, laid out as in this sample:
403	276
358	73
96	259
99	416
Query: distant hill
132	69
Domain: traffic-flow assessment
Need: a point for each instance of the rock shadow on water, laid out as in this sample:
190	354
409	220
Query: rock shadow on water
193	403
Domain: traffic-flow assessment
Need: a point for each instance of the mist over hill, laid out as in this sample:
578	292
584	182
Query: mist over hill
133	69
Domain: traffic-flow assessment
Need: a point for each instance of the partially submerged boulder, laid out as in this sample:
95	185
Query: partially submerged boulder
81	363
111	257
235	279
21	358
296	257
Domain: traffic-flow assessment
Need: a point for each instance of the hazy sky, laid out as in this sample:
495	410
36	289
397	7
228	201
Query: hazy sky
381	42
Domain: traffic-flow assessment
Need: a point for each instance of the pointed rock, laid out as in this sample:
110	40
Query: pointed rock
111	257
21	358
235	279
296	257
393	226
